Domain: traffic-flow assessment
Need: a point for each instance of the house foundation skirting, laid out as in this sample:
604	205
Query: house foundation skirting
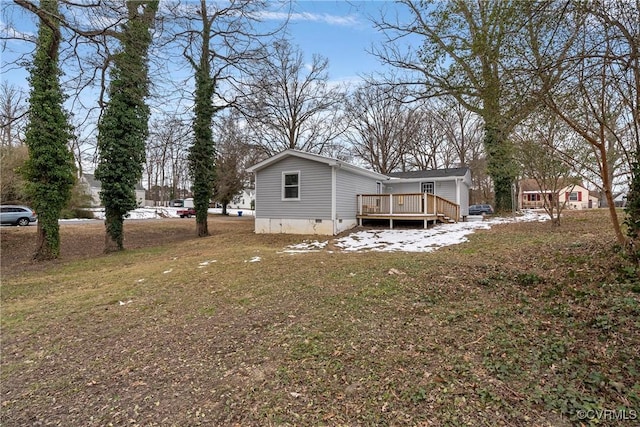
302	226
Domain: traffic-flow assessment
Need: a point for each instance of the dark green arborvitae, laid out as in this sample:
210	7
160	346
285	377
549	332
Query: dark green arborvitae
50	168
123	128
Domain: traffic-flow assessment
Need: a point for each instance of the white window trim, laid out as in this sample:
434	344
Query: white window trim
290	199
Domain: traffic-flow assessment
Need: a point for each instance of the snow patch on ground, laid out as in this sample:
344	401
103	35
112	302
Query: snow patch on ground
306	246
417	240
204	264
168	212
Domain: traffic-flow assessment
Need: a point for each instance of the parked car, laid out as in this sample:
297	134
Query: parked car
17	215
186	213
480	210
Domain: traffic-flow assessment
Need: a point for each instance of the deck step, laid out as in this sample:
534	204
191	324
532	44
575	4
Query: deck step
447	219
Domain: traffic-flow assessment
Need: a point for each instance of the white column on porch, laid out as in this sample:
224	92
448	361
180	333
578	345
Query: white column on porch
425	203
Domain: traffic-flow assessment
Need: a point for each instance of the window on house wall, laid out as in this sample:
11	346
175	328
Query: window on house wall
428	187
378	187
575	196
291	185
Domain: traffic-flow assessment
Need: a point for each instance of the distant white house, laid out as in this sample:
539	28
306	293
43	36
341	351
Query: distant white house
92	187
244	200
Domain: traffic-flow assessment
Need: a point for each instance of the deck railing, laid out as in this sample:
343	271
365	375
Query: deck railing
407	204
539	204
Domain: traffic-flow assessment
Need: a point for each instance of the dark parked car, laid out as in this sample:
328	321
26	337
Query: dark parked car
17	215
480	210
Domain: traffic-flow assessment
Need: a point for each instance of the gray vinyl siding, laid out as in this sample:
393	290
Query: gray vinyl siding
314	191
402	187
348	186
446	189
464	199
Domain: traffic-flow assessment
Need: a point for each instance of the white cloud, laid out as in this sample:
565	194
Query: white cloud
345	21
11	33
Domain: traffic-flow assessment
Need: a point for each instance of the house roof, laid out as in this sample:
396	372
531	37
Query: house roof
316	158
530	185
434	173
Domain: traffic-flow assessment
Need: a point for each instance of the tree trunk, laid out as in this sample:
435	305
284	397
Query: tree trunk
622	240
607	185
44	249
114	236
500	166
202	227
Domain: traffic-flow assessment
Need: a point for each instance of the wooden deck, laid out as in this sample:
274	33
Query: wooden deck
407	207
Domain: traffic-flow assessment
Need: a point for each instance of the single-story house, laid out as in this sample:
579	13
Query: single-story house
92	187
303	193
576	196
245	199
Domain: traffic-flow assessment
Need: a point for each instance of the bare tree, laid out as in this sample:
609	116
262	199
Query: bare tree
429	143
539	141
90	30
220	42
166	167
12	183
13	111
447	135
463	131
476	53
291	104
234	155
382	128
595	91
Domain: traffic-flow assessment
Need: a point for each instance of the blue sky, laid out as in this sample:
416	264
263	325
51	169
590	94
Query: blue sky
340	31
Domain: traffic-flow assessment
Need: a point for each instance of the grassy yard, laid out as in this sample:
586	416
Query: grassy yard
521	326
